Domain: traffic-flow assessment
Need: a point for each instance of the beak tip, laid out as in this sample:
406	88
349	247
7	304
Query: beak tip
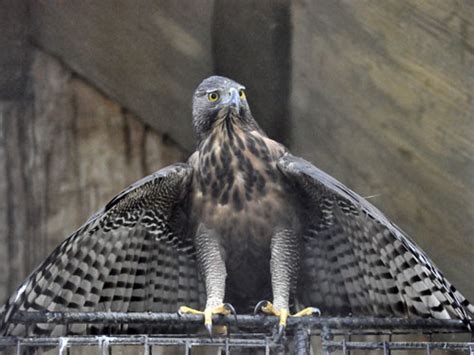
234	100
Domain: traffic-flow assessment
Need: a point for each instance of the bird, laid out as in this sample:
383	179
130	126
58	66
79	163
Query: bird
242	226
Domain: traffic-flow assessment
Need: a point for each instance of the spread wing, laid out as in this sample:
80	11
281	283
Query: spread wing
355	261
136	254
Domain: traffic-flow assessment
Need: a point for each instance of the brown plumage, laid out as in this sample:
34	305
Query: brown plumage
243	220
239	192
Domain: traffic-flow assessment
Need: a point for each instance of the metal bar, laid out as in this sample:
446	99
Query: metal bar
243	320
300	328
146	347
104	344
428	349
326	338
227	351
62	346
107	341
399	345
301	340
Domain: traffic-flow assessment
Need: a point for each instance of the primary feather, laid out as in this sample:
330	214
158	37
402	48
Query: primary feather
368	265
135	254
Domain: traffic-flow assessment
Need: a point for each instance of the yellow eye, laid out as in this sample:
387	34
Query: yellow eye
213	96
242	94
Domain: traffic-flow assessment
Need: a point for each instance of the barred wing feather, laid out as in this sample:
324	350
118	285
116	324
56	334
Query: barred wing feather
355	261
136	254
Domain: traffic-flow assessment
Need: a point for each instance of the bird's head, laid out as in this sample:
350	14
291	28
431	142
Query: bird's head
218	100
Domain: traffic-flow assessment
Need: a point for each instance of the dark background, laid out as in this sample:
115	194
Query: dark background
95	94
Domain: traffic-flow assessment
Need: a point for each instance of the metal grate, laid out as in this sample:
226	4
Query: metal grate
332	334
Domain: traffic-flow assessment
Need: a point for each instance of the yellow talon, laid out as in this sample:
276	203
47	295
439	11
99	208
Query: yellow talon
189	310
283	314
309	311
208	317
269	309
223	309
283	317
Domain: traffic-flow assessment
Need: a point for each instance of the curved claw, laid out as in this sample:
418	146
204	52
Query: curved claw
279	335
209	329
282	324
223	309
259	307
230	308
208	320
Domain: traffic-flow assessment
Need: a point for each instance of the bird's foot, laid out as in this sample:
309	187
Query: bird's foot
283	314
307	312
223	309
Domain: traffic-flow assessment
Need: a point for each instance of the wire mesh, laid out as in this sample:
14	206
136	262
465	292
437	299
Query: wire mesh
335	335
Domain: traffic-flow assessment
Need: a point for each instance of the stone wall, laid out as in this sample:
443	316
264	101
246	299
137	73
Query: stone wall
382	99
379	94
65	150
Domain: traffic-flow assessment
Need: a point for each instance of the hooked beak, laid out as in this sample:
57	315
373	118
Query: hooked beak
233	99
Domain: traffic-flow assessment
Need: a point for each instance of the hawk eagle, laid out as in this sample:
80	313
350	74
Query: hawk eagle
242	223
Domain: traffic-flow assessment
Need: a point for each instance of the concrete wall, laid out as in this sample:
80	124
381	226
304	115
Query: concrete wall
63	155
378	94
382	98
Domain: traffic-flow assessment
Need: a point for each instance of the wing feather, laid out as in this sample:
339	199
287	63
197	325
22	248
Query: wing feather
382	270
136	254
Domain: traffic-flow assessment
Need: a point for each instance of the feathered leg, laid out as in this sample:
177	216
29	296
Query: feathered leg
285	249
213	268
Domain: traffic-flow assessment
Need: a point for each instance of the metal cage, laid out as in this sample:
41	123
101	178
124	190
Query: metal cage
326	335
